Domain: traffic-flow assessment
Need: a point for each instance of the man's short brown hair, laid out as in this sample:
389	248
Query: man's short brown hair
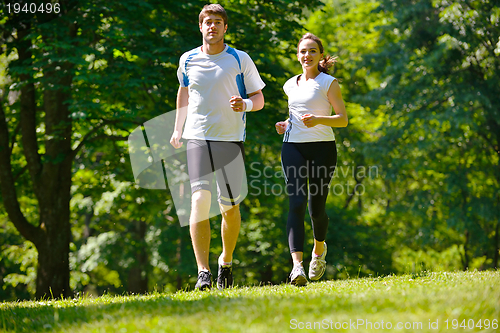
214	9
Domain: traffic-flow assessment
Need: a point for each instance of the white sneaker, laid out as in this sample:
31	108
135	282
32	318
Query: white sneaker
317	266
298	276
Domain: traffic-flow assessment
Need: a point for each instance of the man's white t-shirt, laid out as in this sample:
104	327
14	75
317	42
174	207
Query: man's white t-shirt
310	97
211	80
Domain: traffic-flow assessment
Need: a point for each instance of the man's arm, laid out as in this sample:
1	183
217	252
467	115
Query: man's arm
257	99
180	116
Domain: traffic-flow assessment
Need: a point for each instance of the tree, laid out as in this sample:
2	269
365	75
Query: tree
81	80
441	137
55	123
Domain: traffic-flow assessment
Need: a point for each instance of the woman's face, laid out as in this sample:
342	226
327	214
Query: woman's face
309	54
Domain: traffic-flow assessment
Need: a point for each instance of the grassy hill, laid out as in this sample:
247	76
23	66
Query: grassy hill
431	302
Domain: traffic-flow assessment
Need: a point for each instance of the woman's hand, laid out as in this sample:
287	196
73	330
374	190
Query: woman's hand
281	126
310	120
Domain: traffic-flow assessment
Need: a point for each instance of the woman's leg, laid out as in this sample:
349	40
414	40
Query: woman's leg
295	171
324	155
322	158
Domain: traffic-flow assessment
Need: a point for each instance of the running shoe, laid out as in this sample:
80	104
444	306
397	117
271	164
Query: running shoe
225	276
317	266
204	280
298	276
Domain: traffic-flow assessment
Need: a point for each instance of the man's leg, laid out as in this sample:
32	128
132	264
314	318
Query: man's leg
230	170
231	222
199	227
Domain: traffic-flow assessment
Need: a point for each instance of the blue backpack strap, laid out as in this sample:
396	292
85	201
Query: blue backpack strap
240	79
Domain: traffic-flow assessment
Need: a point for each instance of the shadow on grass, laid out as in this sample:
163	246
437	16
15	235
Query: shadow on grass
51	315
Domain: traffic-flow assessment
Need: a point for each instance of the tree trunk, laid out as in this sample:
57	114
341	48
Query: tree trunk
51	173
266	273
465	261
53	248
178	258
497	246
52	278
138	277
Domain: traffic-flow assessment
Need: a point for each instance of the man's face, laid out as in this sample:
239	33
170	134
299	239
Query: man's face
212	28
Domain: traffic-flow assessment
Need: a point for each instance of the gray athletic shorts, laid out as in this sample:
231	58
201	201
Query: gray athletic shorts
226	159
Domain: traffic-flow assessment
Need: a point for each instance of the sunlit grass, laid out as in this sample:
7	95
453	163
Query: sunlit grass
414	301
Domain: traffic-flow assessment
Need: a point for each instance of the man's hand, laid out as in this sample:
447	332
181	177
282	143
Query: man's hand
237	104
175	140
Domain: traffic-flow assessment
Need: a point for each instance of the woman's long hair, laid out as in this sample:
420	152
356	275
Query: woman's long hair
328	61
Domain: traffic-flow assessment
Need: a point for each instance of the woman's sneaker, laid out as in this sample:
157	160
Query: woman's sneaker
298	276
204	280
317	266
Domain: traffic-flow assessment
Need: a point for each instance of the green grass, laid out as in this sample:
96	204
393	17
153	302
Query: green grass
431	297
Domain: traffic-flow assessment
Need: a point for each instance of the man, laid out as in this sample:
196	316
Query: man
214	79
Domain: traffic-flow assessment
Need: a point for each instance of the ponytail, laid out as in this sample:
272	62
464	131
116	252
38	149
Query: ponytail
326	63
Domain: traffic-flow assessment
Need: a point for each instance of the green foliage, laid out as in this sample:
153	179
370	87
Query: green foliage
418	175
440	136
17	264
123	59
421	73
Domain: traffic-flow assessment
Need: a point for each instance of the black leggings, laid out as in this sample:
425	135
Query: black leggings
313	161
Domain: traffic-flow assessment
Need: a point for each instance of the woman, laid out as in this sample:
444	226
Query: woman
309	153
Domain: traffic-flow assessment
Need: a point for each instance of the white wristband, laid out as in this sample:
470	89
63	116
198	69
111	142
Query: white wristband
249	104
